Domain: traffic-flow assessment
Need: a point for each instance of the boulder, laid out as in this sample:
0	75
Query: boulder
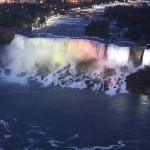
139	81
108	72
7	72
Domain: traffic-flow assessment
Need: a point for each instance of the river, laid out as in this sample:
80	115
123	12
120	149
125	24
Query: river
33	116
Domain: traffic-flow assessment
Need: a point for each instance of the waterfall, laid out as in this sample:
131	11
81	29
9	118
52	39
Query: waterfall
24	54
29	54
146	57
81	49
118	55
75	63
86	48
78	48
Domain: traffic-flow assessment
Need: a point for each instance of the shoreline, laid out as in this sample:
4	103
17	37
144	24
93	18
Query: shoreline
8	34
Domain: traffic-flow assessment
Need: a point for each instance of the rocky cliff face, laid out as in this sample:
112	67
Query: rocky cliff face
7	34
139	81
6	38
136	53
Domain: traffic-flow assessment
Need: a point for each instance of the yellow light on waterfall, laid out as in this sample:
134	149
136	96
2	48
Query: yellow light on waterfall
58	58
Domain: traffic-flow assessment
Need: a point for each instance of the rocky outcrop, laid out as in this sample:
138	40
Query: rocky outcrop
7	34
6	38
108	72
139	81
7	72
136	54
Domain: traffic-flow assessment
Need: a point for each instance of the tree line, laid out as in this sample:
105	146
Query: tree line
137	20
23	15
98	28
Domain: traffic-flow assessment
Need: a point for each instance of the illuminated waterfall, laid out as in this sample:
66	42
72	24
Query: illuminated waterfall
75	63
146	57
77	48
88	48
28	53
118	55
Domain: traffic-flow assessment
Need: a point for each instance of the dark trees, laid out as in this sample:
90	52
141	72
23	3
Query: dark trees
137	20
128	15
22	15
98	28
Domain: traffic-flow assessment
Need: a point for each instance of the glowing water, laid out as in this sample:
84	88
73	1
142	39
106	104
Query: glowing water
79	49
86	48
146	57
75	63
118	55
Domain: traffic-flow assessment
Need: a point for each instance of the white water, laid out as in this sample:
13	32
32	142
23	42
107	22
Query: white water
58	50
146	57
50	48
118	55
46	61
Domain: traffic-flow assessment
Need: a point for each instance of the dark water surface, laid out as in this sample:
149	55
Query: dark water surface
57	118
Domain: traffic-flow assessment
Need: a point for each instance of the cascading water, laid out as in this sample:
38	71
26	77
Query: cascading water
76	63
146	57
81	48
118	55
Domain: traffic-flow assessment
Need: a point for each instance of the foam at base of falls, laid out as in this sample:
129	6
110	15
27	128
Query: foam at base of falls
92	75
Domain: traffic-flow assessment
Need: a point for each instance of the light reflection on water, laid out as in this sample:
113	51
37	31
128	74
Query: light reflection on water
143	109
144	99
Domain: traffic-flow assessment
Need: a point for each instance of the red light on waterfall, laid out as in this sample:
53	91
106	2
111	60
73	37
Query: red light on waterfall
113	80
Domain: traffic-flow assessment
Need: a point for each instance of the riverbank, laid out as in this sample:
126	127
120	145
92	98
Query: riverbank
7	34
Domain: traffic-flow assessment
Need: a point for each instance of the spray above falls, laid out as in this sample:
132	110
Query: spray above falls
75	63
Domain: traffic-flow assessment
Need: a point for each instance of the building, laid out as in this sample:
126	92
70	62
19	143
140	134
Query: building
6	1
27	1
18	1
77	1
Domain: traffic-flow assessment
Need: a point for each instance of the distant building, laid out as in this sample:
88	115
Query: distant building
27	1
5	1
77	1
34	1
140	4
19	1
